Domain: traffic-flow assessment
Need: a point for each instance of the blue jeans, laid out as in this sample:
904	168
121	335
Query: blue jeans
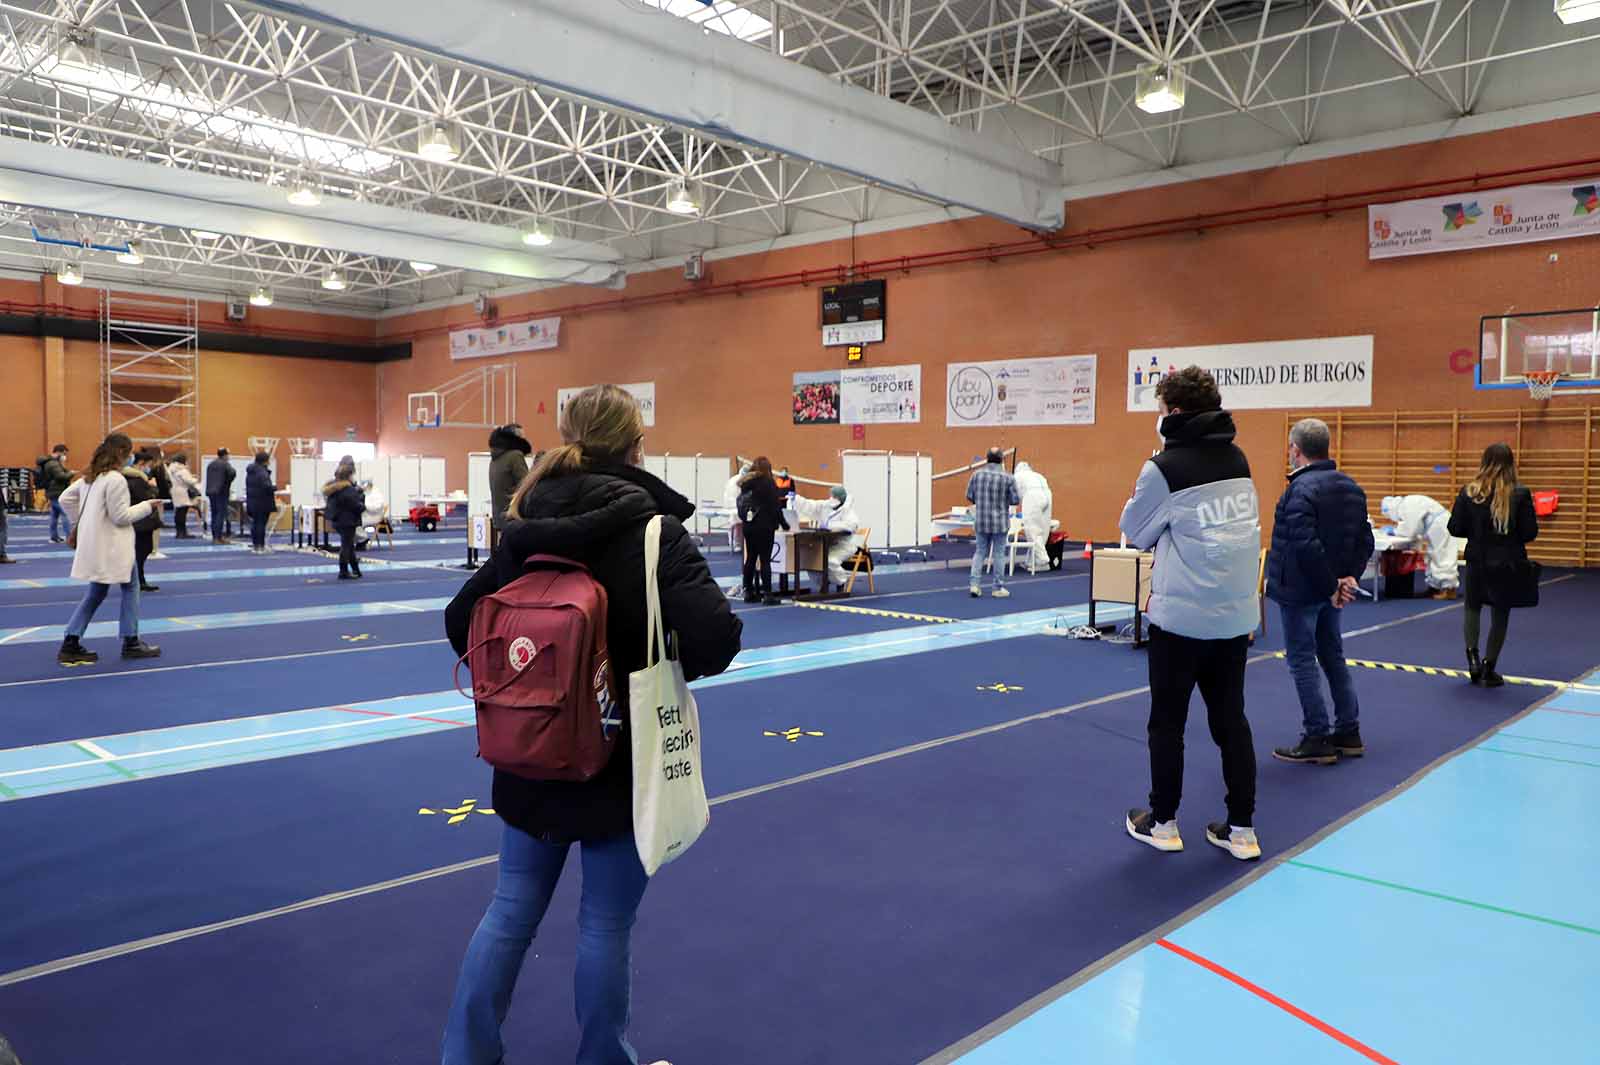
985	545
59	515
127	622
1311	638
613	883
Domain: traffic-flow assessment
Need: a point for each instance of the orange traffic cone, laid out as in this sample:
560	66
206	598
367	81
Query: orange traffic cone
1088	549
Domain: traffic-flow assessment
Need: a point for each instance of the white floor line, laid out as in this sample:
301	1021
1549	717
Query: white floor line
223	662
92	748
20	633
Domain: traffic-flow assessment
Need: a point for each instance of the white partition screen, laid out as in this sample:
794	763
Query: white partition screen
866	476
432	475
376	471
711	476
924	530
479	499
656	465
306	479
903	501
405	481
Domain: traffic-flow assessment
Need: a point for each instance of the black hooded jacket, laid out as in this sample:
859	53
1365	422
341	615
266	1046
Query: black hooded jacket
508	465
598	518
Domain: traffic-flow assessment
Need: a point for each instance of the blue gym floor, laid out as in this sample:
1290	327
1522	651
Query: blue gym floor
271	844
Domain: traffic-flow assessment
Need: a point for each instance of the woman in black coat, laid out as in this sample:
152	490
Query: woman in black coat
345	503
142	487
587	501
260	499
1494	514
761	511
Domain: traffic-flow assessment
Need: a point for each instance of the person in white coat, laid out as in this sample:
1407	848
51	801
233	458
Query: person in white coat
186	493
1036	504
102	539
836	514
1425	519
372	515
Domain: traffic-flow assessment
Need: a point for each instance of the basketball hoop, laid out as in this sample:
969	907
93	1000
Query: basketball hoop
303	447
424	410
1542	384
269	444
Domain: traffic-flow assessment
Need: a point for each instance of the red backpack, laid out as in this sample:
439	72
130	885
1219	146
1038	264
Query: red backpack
541	678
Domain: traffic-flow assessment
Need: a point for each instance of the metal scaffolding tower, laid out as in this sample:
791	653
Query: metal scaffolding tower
150	369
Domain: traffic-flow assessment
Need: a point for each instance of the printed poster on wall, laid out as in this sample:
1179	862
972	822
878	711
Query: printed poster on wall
1519	215
644	392
538	335
1328	372
1059	390
816	398
881	395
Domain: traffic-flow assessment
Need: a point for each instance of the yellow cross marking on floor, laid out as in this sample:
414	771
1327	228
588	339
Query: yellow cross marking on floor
868	611
1003	689
792	734
457	814
357	638
1459	674
31	584
186	621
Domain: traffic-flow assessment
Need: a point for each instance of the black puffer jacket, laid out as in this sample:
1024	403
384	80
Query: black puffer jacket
260	494
508	465
599	518
1320	535
345	504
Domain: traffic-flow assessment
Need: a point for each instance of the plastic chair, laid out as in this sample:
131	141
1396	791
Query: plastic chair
855	570
384	527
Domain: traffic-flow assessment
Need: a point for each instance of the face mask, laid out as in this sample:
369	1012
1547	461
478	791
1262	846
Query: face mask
1159	419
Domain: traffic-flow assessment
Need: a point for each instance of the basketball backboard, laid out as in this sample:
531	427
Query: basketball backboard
1512	347
424	410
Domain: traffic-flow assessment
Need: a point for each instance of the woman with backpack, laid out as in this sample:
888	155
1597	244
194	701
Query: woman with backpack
761	512
590	502
1494	514
345	503
102	520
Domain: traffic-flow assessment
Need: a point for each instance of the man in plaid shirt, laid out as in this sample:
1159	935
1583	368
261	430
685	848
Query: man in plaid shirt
992	493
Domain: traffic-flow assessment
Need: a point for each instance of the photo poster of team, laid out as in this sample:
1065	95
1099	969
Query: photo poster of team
883	395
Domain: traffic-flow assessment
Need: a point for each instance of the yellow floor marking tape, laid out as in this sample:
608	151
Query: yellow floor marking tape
1461	674
840	608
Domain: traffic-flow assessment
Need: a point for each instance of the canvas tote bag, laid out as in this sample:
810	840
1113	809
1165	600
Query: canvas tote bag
669	794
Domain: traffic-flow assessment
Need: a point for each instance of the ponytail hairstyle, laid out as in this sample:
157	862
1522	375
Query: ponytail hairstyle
601	426
112	454
1495	484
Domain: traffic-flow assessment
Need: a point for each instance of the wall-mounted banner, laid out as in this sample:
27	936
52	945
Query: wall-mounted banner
1519	215
538	335
644	392
881	395
1051	391
816	398
1277	374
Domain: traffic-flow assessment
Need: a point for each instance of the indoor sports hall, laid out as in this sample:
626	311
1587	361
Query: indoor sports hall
909	268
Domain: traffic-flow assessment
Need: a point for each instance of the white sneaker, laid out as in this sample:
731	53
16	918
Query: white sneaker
1162	835
1001	593
158	554
975	593
1239	842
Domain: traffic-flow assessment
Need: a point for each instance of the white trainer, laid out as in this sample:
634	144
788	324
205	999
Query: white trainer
1162	835
1239	842
1001	593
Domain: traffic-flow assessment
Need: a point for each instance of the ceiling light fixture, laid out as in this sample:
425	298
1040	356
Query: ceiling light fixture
304	194
437	142
205	234
683	198
261	297
423	268
69	274
134	256
1159	89
1570	11
334	281
538	235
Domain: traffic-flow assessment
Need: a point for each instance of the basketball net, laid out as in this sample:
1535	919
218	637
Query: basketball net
1542	384
303	447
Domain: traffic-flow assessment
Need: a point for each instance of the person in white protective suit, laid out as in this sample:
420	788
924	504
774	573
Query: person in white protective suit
372	515
836	514
1036	504
1422	518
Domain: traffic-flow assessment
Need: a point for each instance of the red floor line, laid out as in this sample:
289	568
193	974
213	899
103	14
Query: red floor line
1289	1008
411	717
1575	713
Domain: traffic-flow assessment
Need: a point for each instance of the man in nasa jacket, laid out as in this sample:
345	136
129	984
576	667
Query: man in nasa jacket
1196	505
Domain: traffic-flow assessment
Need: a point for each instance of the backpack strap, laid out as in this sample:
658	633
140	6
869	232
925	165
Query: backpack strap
539	562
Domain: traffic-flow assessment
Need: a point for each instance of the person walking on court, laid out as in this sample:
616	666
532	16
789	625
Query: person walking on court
1321	543
142	487
219	489
163	484
508	466
761	514
54	478
5	506
1494	514
185	494
587	501
102	519
260	499
343	507
1195	504
992	492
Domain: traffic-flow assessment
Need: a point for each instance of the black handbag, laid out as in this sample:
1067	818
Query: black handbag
1515	584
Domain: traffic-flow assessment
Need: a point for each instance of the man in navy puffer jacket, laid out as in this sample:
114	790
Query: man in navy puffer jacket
1321	543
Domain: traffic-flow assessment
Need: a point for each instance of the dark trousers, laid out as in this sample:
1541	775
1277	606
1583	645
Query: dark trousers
258	529
348	563
1177	665
143	544
180	518
758	561
219	515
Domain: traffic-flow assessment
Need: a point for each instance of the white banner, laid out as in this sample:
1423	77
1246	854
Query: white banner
1051	391
1519	215
538	335
644	392
1331	372
881	395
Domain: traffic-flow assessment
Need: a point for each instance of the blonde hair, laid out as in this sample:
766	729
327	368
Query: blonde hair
1495	484
600	426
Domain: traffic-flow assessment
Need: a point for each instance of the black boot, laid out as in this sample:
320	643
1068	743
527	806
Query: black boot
1474	666
133	647
1491	679
5	561
73	653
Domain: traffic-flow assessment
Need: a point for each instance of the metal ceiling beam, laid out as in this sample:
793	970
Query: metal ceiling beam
672	71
